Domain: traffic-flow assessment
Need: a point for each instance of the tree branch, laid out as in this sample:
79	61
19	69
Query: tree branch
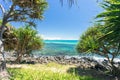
11	10
106	50
97	51
118	48
2	8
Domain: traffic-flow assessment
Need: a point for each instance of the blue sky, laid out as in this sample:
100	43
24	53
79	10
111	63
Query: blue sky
64	22
67	23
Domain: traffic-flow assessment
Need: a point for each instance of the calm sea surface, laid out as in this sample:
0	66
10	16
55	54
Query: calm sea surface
62	47
58	47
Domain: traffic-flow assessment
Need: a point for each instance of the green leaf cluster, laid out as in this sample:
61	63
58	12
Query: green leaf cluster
111	19
27	39
26	11
89	41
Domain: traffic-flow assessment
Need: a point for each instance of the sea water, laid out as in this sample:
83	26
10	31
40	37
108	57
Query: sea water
64	47
58	47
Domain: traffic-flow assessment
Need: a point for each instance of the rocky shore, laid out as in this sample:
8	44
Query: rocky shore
84	65
83	62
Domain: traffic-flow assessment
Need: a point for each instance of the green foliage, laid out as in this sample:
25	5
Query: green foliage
111	19
35	7
44	72
27	39
23	11
91	42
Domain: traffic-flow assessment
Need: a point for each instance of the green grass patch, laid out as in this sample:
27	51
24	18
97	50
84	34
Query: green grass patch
44	72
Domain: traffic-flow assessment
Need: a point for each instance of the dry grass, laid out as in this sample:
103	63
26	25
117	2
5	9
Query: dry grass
54	67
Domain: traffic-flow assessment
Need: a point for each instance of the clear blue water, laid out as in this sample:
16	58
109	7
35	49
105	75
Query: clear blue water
74	42
58	47
61	47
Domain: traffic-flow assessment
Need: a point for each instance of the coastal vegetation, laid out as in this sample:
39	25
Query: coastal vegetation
26	41
110	19
91	43
25	11
103	39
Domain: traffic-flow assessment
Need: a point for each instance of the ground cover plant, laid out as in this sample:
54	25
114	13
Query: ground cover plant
51	71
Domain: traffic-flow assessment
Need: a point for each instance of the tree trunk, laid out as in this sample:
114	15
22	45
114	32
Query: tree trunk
18	60
115	70
4	75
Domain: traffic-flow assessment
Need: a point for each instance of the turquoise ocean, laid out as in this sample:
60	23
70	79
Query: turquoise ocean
58	47
64	48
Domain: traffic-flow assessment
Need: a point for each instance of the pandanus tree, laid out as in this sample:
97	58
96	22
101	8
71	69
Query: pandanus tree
26	11
23	40
91	42
111	19
27	40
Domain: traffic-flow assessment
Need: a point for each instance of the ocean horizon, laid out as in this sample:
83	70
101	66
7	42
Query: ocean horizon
58	47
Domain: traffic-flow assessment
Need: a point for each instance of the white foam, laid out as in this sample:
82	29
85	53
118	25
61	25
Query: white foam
101	59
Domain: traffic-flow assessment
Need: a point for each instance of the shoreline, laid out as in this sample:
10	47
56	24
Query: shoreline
61	57
84	62
97	58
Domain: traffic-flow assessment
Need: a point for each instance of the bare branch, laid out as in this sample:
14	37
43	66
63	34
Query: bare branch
2	8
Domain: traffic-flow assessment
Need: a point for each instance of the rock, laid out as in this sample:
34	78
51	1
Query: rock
83	61
99	67
73	58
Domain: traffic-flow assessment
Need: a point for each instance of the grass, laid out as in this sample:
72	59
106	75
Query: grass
51	71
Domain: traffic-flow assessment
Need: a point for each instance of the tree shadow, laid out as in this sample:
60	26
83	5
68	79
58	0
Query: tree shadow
97	74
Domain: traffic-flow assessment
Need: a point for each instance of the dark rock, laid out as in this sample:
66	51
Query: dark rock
31	62
99	67
73	58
